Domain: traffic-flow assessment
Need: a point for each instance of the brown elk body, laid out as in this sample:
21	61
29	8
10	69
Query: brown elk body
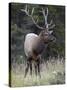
34	44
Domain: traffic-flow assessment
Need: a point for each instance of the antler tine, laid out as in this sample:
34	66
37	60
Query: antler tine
51	27
26	10
32	11
43	12
50	23
46	12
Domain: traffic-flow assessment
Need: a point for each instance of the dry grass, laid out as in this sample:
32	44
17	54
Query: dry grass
51	73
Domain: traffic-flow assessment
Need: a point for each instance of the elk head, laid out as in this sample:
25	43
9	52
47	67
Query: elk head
45	33
47	36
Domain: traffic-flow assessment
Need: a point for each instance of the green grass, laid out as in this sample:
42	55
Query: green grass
51	74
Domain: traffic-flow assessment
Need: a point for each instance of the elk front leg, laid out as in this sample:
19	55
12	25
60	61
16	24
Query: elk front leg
38	65
35	68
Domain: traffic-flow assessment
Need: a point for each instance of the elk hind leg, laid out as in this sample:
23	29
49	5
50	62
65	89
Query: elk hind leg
27	68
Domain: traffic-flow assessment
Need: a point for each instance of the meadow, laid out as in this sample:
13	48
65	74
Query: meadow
52	73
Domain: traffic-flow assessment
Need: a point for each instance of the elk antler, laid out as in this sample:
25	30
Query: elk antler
31	16
45	14
51	25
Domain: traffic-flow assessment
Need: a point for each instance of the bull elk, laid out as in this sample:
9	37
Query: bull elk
34	44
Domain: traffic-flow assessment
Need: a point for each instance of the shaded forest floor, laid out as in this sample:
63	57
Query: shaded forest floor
51	73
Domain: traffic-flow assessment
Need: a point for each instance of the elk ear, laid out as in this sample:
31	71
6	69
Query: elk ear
50	32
